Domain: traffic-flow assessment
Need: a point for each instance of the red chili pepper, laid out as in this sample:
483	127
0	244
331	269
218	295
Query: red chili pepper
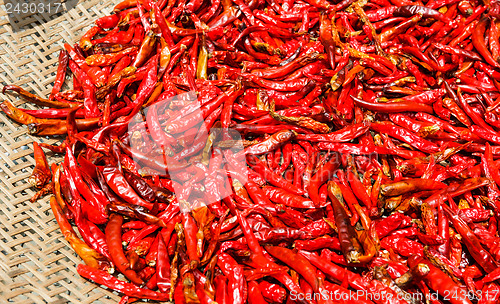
334	271
117	182
163	266
131	290
405	135
272	177
61	73
436	279
274	141
41	174
237	286
480	44
477	251
108	21
301	265
396	107
94	74
114	241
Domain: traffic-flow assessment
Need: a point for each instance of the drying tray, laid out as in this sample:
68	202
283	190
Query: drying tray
36	263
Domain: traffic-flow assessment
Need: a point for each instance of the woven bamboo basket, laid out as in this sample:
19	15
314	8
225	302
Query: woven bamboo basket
36	263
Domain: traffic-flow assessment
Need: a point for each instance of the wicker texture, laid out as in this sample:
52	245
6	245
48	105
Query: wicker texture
36	263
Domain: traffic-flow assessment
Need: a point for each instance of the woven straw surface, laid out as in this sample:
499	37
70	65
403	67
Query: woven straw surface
36	263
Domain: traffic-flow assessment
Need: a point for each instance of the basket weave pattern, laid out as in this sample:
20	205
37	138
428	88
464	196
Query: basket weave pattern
36	263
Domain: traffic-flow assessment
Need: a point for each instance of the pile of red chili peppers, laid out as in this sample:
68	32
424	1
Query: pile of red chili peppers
370	134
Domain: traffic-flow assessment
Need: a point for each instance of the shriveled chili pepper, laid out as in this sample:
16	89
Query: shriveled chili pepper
348	239
436	279
38	100
479	42
477	251
275	140
131	290
61	73
120	186
395	107
410	185
272	177
41	174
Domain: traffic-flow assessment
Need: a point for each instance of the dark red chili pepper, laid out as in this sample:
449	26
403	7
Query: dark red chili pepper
163	266
348	239
325	34
117	182
410	185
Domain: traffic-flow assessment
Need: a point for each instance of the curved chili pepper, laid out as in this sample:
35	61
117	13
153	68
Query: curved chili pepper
114	241
90	256
102	277
108	59
482	256
412	10
480	44
399	29
85	40
117	182
116	36
38	100
305	122
61	73
406	136
91	75
301	265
